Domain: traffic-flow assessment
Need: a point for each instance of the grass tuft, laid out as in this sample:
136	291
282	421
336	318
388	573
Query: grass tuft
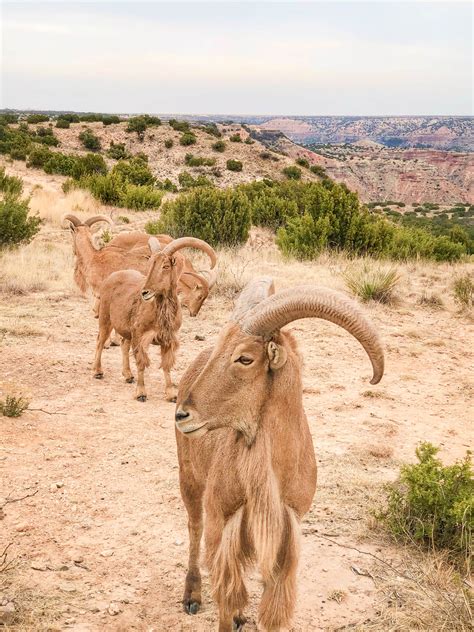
463	290
372	283
13	406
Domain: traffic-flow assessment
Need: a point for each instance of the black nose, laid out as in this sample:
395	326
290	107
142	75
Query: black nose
180	415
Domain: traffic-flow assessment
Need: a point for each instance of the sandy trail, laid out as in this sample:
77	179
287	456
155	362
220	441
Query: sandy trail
106	526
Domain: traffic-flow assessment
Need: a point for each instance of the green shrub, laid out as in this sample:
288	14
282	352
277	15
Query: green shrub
13	406
134	171
89	140
220	217
179	126
117	151
249	141
199	161
169	143
8	117
38	157
72	118
16	226
292	172
318	171
63	124
141	197
166	185
463	290
124	219
303	237
10	185
37	118
137	124
302	162
372	283
45	136
235	138
188	138
234	165
212	129
219	146
110	119
432	504
187	181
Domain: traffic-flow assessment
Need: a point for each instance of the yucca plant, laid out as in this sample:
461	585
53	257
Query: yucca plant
372	284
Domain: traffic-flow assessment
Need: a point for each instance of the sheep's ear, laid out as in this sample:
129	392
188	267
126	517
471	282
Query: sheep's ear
154	244
277	356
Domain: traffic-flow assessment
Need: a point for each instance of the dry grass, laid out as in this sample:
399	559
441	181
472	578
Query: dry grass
423	593
37	267
372	282
51	205
463	290
431	300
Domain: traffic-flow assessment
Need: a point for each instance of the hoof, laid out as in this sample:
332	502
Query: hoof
191	607
141	398
238	623
98	376
130	380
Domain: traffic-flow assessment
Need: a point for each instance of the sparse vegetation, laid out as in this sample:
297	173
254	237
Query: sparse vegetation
292	173
13	406
188	138
179	126
187	181
234	165
63	124
219	146
37	118
463	290
235	138
17	226
90	140
117	151
432	504
140	124
169	143
302	162
199	161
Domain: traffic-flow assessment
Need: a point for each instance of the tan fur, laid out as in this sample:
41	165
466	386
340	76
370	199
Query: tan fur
252	468
192	287
123	308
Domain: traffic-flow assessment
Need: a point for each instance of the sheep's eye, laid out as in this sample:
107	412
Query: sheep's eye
173	261
244	360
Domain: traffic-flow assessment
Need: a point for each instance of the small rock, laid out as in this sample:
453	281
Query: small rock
7	613
70	588
107	553
23	527
39	566
114	608
178	542
200	338
76	557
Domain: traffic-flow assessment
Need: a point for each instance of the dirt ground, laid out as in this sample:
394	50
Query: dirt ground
101	541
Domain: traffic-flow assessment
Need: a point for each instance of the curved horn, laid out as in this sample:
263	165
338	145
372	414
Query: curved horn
191	242
198	276
98	218
307	301
154	245
73	219
253	293
210	276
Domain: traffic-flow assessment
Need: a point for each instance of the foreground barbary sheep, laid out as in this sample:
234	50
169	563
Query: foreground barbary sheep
193	286
245	451
144	310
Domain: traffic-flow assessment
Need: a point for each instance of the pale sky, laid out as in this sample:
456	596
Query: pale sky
301	58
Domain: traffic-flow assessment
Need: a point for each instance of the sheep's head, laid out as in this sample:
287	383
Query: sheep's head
166	266
195	289
79	228
230	385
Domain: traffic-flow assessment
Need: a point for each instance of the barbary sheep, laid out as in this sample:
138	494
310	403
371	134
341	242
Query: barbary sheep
144	310
245	450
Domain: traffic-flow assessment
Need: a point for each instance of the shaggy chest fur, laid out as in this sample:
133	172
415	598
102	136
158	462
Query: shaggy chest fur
161	315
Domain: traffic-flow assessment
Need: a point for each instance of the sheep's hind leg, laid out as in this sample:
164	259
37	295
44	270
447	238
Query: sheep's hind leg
126	370
142	361
104	333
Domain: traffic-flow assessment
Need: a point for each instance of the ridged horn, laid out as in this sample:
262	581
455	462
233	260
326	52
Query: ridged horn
198	276
308	301
154	245
98	218
73	219
252	295
191	242
210	276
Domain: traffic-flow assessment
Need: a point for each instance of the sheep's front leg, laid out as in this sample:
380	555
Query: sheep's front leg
168	359
126	370
140	346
